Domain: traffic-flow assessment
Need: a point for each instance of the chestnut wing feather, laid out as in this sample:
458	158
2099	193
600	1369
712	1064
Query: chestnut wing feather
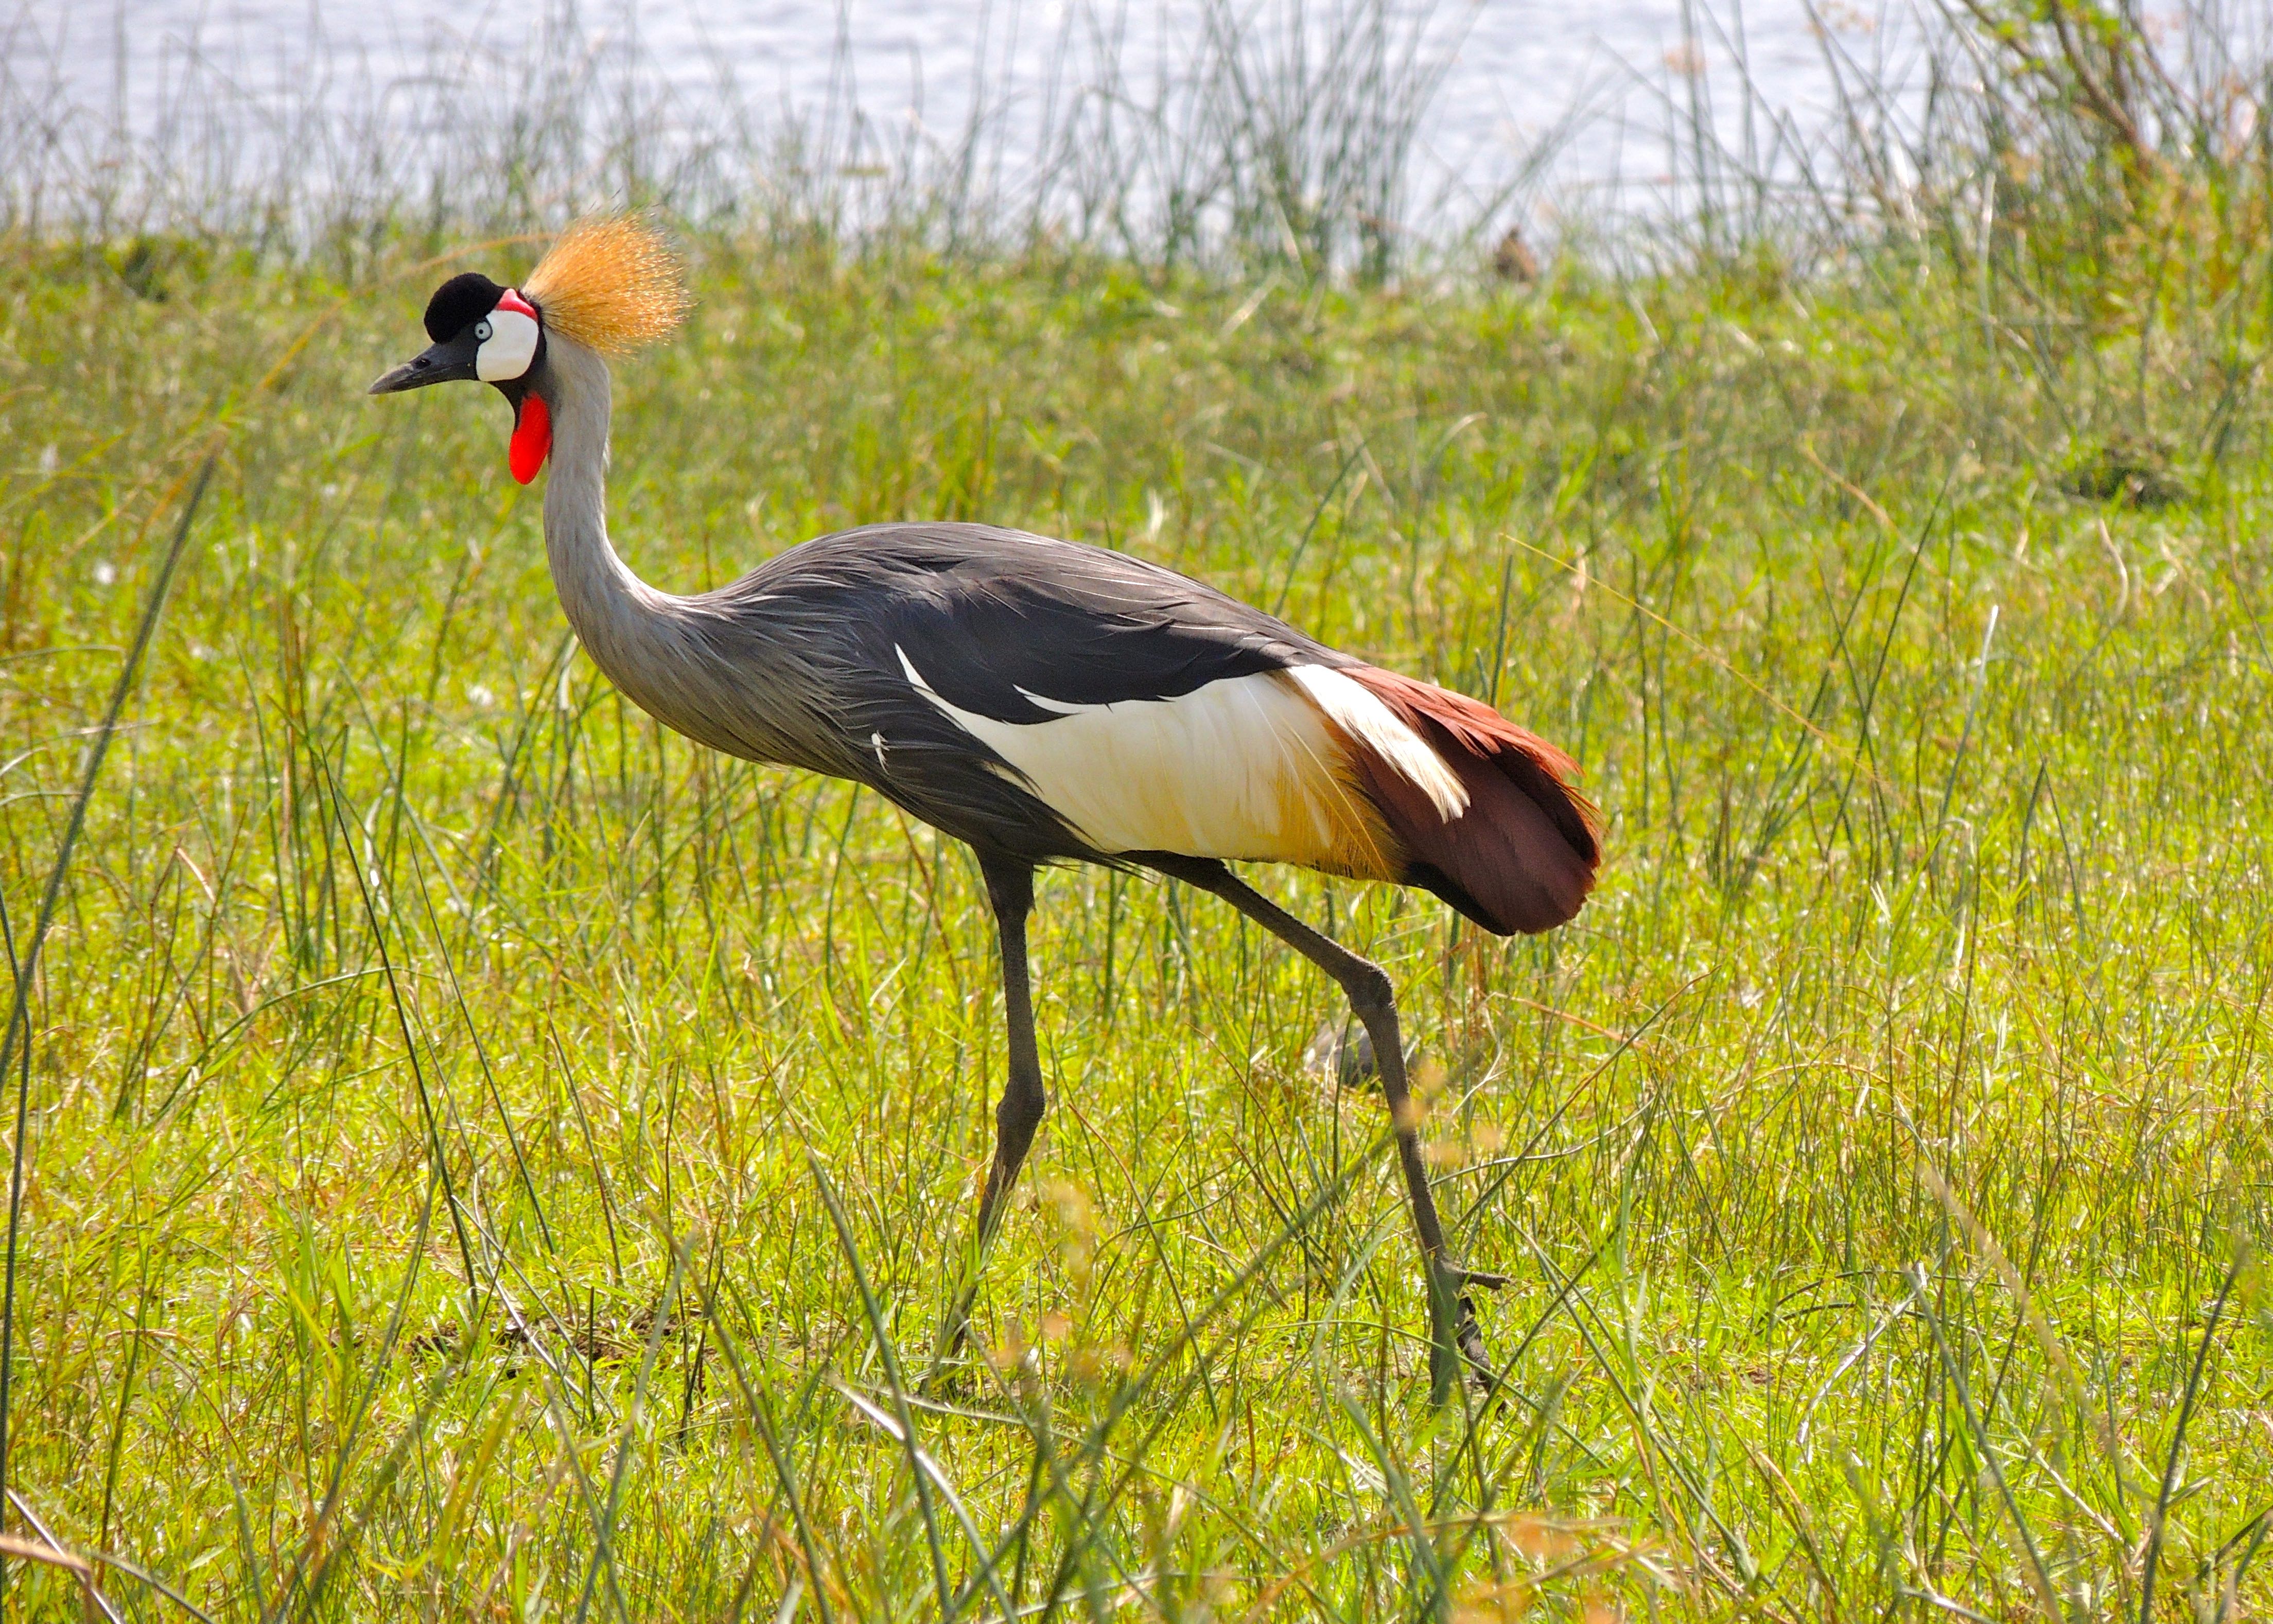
1523	856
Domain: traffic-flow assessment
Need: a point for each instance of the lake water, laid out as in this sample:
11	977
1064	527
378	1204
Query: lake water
1514	68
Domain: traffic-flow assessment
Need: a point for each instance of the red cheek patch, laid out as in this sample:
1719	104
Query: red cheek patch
532	438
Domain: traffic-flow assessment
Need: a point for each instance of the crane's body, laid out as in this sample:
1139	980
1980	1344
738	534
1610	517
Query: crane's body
1044	701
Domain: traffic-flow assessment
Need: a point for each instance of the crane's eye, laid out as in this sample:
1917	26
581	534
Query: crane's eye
481	332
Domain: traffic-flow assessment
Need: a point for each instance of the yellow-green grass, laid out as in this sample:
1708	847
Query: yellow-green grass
439	1078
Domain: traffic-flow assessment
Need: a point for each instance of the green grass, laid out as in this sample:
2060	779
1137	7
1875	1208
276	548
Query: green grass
441	1079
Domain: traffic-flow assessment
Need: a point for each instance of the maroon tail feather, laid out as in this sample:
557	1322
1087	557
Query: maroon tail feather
1523	856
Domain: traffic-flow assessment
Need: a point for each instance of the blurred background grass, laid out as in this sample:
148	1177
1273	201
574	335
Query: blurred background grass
487	1158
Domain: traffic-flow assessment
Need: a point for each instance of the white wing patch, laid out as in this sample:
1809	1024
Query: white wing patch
1246	768
1361	712
1059	706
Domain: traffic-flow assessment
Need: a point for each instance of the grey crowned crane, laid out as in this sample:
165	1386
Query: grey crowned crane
1043	701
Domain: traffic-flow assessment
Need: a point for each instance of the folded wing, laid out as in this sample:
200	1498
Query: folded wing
1148	712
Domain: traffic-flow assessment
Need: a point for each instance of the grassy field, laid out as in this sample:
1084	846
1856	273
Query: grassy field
487	1158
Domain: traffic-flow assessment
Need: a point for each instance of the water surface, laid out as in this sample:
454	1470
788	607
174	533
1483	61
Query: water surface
1514	69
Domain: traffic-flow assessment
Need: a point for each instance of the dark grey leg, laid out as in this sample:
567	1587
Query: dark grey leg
1011	888
1452	1331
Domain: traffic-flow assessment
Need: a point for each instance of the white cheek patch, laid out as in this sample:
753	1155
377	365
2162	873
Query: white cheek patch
510	347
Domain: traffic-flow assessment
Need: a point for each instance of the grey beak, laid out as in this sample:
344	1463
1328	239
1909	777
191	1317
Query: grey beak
449	362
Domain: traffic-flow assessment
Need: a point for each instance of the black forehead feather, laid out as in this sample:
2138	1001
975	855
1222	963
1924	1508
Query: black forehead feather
459	303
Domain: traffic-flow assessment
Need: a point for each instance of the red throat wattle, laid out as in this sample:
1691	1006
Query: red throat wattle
532	438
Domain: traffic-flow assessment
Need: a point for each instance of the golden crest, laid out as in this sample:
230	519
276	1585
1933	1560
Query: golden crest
611	284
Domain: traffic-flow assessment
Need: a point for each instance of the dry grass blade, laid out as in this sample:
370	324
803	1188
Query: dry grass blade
93	1604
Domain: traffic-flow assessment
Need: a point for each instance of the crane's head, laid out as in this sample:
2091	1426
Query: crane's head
610	284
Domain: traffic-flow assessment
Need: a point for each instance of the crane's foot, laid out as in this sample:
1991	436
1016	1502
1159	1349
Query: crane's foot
954	1337
1342	1053
1456	1342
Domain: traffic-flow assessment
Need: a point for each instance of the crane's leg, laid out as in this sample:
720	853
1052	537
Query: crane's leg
1011	888
1453	1335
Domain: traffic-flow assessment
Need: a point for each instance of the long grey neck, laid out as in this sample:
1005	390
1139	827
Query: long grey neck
693	665
624	623
650	643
